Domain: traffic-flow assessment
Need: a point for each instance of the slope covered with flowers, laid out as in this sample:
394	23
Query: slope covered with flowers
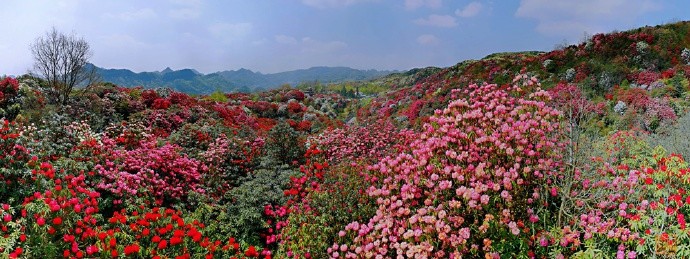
574	153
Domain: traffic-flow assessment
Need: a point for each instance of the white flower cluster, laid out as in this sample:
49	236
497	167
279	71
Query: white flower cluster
685	55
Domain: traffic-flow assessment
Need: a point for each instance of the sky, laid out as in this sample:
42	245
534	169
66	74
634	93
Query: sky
272	36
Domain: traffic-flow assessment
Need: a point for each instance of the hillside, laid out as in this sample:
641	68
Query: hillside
605	68
572	153
242	80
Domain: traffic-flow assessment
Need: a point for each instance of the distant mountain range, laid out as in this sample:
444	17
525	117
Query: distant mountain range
242	80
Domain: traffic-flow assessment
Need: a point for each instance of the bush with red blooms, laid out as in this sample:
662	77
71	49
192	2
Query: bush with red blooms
164	233
300	126
262	108
62	220
295	94
295	107
9	87
13	159
9	104
161	103
149	96
65	221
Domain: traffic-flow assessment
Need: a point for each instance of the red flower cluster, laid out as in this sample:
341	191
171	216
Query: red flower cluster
9	87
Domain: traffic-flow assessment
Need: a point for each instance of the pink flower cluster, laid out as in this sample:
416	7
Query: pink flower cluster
162	172
481	163
353	143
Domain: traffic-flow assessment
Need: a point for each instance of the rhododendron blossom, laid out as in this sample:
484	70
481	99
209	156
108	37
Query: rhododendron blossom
464	146
159	171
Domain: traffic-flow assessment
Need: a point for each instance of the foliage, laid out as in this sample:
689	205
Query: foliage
284	146
674	138
245	214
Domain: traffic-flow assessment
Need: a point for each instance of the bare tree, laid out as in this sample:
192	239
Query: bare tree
63	61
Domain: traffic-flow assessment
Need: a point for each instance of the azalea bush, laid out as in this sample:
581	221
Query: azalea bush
364	144
9	106
321	203
485	190
630	203
13	158
159	173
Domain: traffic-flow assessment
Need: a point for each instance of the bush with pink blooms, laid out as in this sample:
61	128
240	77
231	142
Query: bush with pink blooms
476	183
159	172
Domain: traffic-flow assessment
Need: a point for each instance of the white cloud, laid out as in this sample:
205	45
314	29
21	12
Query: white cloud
284	39
259	42
568	18
187	2
140	14
230	31
318	47
469	10
414	4
185	9
438	21
309	45
123	40
184	13
331	3
427	39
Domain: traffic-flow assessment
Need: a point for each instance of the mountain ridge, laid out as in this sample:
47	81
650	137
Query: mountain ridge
241	80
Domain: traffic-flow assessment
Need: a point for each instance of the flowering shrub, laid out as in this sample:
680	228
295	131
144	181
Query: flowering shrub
299	126
149	97
295	94
659	114
159	172
284	146
58	221
9	89
64	221
647	77
234	116
477	192
685	55
228	160
163	233
262	108
161	103
321	203
295	107
629	203
569	99
363	144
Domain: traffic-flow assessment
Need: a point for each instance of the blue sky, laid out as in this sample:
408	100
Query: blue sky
279	35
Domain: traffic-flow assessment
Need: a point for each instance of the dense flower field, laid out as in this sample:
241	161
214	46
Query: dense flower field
475	161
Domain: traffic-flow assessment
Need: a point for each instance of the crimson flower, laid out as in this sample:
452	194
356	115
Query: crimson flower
251	252
130	249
